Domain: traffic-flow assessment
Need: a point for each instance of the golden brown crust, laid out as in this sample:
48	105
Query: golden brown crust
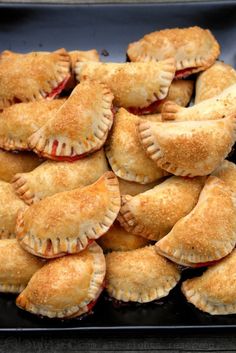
65	287
132	188
68	221
133	84
139	275
227	172
17	266
80	126
129	160
12	163
214	291
188	148
214	80
153	213
20	121
31	76
208	232
53	177
192	47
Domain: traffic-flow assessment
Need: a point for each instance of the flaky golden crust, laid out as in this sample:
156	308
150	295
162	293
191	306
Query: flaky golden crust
53	177
139	275
188	148
65	287
17	266
125	153
10	205
153	213
227	172
213	108
117	239
12	163
132	188
68	221
133	84
19	121
191	47
32	76
80	126
214	80
208	232
214	291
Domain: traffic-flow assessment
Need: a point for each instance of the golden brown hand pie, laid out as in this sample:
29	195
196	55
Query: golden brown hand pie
79	127
125	153
68	221
193	48
139	275
213	108
134	85
66	287
117	239
10	205
153	213
20	121
132	188
227	172
53	177
188	148
17	266
215	291
32	76
214	80
12	163
208	232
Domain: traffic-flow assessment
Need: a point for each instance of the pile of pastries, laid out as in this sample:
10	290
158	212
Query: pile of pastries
111	179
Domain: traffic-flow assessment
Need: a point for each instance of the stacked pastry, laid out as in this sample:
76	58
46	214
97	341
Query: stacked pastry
127	167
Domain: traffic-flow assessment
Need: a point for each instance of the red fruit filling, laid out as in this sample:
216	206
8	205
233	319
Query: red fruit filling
185	72
57	90
146	110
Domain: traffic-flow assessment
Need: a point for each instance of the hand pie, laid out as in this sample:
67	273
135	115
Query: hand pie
10	205
125	153
215	291
208	232
188	148
153	213
67	222
20	121
53	177
66	287
132	188
17	266
134	85
32	76
117	239
214	80
213	108
79	127
227	172
12	163
193	48
139	275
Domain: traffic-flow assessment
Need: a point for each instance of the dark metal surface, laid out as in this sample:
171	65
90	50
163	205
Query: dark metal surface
111	27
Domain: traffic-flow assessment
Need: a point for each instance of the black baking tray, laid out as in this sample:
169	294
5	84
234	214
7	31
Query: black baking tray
109	29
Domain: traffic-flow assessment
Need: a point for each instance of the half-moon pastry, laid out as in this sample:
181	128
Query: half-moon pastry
32	76
69	221
139	275
79	127
214	80
208	232
66	287
17	266
52	177
20	121
153	213
188	148
125	153
12	163
134	85
215	291
194	49
132	188
227	172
